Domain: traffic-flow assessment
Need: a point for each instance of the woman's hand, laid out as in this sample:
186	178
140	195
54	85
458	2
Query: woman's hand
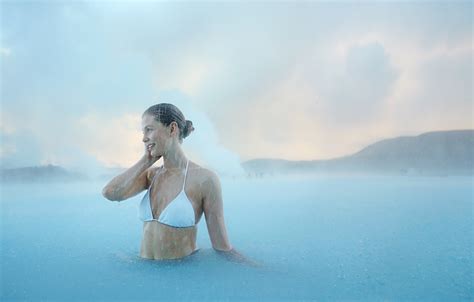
150	158
132	181
237	257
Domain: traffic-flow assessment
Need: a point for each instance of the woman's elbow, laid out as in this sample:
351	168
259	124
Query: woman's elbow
110	194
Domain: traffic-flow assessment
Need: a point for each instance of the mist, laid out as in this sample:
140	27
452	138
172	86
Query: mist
342	134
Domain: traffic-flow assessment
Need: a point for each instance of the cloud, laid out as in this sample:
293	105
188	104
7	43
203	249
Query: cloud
7	150
288	80
203	144
20	149
5	52
359	92
436	92
115	141
292	95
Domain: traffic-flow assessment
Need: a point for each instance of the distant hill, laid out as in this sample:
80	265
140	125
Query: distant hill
40	174
433	153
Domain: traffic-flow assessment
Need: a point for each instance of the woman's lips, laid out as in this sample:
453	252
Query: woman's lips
150	146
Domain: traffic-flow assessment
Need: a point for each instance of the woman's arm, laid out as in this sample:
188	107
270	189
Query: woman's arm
214	214
131	182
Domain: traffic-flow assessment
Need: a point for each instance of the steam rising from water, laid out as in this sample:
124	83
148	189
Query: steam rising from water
203	144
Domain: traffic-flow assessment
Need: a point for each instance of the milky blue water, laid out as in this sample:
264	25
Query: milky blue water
326	238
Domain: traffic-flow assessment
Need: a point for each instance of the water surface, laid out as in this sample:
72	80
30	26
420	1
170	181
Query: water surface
317	238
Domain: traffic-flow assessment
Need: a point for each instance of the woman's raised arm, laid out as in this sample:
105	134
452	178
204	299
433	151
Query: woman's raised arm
131	182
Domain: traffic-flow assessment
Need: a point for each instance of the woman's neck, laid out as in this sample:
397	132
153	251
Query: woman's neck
175	159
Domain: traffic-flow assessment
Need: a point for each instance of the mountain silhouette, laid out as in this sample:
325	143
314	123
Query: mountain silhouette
432	153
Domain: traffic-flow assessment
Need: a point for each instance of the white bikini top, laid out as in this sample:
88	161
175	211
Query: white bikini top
178	213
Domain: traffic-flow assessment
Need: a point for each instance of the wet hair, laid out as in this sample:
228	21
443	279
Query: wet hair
167	113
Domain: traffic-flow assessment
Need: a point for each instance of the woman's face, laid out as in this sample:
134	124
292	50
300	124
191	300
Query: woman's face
155	135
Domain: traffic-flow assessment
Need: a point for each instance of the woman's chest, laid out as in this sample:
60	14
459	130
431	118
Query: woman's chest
166	190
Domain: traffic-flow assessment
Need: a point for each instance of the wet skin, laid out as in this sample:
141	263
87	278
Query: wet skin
161	241
202	188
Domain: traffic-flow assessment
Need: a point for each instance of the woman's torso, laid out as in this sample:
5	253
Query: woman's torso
161	241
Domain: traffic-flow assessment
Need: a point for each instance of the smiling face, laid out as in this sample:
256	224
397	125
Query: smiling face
155	135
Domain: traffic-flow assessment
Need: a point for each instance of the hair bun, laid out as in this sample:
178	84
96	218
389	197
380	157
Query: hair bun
188	128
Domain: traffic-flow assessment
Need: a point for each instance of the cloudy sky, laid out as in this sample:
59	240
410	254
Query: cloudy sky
299	80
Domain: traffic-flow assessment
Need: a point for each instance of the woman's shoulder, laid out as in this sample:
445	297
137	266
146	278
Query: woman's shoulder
208	183
204	175
151	172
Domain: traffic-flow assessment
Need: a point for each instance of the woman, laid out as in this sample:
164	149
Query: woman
179	192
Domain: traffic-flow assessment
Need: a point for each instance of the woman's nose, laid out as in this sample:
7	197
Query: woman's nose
145	139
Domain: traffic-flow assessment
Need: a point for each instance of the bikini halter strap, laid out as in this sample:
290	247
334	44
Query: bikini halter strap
186	173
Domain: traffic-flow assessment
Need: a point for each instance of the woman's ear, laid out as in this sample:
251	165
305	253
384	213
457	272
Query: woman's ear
173	127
